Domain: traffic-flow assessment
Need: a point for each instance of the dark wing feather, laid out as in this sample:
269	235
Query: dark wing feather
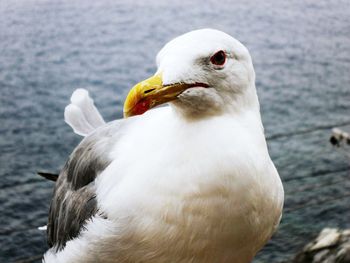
48	176
74	200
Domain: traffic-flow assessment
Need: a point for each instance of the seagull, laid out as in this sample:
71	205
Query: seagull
189	181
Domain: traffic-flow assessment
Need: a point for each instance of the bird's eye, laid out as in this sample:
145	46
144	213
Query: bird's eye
219	58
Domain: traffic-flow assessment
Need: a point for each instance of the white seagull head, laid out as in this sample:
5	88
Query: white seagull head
203	72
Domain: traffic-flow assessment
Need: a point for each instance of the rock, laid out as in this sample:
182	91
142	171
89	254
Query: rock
327	238
331	246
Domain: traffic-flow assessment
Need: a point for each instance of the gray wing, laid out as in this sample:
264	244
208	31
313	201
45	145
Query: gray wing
74	200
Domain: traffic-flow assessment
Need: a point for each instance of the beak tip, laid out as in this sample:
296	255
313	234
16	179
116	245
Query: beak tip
137	109
140	99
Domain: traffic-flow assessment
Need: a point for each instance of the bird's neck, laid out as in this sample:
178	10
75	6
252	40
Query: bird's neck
247	100
243	107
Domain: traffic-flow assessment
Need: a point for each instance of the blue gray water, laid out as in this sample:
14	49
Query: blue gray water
301	52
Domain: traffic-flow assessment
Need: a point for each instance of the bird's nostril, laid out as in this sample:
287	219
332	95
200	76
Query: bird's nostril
148	91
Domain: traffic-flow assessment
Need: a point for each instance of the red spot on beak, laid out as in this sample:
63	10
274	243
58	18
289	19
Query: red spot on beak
141	107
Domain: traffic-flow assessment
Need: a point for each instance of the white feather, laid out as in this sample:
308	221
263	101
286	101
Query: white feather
42	228
81	114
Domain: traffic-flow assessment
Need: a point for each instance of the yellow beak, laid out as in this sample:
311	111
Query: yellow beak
150	93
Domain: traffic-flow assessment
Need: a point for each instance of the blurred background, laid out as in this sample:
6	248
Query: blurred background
301	53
